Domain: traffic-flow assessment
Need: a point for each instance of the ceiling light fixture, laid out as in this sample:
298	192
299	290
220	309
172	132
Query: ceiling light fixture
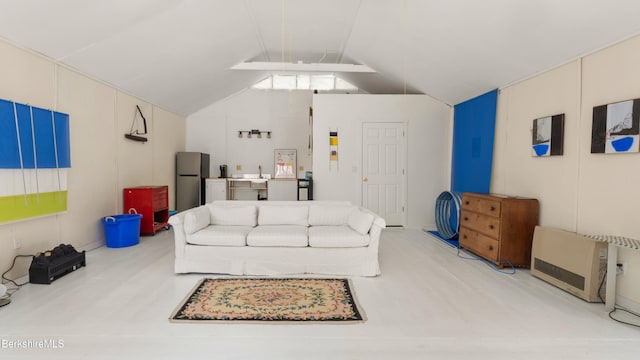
252	132
301	67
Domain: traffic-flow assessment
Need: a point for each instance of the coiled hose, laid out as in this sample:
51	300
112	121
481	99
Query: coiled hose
448	213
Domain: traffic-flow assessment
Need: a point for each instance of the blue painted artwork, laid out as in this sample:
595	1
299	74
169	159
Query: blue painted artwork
622	144
541	149
34	148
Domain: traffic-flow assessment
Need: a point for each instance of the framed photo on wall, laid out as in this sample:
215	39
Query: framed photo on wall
285	161
616	128
548	136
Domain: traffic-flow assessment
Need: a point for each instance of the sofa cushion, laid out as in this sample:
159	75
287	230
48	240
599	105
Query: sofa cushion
360	221
220	235
283	215
278	235
320	215
233	215
196	219
336	237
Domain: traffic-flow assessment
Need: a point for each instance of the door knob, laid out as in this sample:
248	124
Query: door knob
365	179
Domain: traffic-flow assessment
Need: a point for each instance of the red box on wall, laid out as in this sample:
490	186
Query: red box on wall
152	202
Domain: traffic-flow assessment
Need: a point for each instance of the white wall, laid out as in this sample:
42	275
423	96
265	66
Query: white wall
169	137
578	191
214	130
552	180
428	147
102	160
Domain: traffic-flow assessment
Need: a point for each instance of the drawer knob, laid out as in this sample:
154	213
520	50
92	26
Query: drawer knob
490	247
464	236
466	203
493	208
466	218
491	227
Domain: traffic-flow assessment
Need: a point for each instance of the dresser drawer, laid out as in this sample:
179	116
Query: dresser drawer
469	203
484	224
489	207
160	197
479	244
481	205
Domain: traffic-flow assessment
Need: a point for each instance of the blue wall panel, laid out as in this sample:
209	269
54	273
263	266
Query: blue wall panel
43	129
473	132
9	158
63	139
26	140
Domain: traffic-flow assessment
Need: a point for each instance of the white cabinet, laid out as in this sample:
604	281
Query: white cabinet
281	189
216	189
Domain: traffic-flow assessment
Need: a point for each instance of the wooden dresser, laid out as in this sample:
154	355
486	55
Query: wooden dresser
498	228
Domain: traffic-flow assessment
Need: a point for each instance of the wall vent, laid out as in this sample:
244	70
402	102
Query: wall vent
559	273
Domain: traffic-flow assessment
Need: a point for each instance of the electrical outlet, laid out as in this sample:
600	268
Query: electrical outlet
621	269
17	243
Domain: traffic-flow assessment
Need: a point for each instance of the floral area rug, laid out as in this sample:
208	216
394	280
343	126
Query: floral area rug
270	300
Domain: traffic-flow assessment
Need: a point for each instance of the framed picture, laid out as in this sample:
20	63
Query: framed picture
616	128
285	161
547	136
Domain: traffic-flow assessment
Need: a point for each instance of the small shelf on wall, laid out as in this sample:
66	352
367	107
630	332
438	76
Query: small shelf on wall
134	134
305	189
136	137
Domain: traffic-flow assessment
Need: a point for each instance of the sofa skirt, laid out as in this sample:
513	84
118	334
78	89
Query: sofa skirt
247	260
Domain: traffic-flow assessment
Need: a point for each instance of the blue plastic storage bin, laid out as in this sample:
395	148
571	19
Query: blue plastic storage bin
122	230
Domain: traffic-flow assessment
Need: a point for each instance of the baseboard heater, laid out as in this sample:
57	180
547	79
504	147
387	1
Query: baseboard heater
570	261
53	264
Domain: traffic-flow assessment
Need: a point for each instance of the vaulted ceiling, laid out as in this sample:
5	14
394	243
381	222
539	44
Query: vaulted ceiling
177	53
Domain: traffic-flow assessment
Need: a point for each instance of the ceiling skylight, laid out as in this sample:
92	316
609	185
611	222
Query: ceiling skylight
304	82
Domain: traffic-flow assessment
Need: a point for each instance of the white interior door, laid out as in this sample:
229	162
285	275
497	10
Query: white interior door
383	171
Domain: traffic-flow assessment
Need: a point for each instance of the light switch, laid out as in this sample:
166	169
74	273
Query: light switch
238	167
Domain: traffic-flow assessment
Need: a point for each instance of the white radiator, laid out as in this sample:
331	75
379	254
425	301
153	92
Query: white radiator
570	261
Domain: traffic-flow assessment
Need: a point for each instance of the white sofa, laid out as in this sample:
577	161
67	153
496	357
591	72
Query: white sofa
277	237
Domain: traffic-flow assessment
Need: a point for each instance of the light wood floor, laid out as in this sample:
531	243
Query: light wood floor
427	304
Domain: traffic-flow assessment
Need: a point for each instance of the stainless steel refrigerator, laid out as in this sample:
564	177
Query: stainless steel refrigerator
192	168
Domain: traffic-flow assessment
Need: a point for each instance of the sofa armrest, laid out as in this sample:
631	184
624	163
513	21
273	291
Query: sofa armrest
376	230
376	227
180	237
